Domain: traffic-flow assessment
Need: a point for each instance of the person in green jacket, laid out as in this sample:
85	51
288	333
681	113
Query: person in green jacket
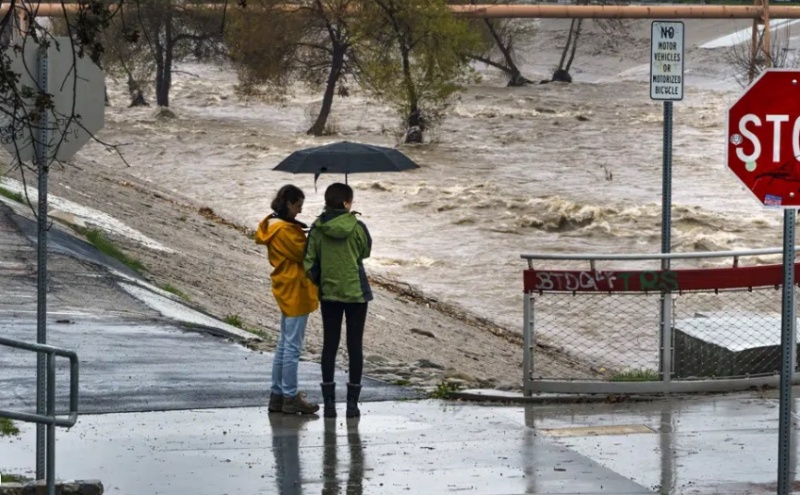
337	245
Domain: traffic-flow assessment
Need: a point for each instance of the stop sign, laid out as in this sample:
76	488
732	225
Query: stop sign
763	133
78	104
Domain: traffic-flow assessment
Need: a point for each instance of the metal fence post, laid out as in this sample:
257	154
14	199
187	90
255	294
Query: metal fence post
527	344
666	337
788	342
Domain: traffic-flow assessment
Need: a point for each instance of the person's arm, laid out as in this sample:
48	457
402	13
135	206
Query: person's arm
261	232
292	242
366	241
311	257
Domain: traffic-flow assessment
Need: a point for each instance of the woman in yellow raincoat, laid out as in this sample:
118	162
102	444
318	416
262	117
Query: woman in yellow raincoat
285	239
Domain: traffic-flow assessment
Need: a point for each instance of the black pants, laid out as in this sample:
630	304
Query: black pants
356	316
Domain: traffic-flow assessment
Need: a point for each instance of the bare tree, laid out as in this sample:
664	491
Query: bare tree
749	61
613	29
148	37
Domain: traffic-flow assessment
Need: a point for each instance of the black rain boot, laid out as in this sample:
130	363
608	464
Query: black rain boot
275	402
329	399
353	391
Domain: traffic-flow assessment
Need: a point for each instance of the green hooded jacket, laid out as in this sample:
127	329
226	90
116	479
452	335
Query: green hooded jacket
337	244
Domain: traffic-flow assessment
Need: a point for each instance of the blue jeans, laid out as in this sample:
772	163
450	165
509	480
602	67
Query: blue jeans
287	355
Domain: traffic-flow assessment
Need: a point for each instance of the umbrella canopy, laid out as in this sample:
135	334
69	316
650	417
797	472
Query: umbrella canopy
345	158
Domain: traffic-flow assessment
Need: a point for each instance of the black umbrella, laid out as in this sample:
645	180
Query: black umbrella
345	158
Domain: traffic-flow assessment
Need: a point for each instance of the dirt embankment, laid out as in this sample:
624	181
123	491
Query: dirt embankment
410	338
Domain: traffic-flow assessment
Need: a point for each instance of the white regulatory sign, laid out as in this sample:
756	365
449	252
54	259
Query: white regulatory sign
666	60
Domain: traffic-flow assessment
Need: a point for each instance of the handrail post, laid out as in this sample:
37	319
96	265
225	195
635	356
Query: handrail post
51	428
49	421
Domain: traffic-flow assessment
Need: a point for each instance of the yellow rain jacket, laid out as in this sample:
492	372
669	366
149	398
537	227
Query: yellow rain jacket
285	241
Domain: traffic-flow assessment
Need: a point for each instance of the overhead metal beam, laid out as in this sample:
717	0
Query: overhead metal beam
536	11
626	11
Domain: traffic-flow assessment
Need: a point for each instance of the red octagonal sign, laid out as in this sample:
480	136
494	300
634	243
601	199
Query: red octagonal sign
763	134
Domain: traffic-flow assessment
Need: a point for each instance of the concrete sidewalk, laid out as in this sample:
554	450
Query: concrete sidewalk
714	445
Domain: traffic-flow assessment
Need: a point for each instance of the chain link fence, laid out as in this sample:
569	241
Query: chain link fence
715	334
689	327
613	333
727	334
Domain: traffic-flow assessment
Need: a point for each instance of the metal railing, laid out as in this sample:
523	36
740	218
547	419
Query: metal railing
50	418
635	330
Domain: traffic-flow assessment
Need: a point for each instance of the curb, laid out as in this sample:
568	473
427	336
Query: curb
505	397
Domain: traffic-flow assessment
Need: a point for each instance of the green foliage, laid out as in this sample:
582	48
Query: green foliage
14	478
96	238
413	54
642	375
273	47
264	45
266	337
444	390
13	196
177	292
234	320
8	428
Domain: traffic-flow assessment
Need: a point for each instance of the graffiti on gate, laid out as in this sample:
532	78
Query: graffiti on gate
681	280
605	281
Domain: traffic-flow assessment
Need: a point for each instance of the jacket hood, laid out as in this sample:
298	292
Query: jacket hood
337	224
267	229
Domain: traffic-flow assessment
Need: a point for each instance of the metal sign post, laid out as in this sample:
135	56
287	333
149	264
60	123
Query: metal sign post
77	112
42	168
761	153
788	343
666	84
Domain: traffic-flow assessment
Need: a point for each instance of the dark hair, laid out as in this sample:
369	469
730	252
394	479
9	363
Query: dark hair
337	195
287	194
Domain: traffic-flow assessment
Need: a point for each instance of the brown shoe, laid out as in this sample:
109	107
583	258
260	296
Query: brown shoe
275	402
298	405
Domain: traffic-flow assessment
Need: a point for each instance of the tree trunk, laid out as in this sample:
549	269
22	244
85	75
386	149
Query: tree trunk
562	74
574	44
137	97
415	123
567	46
164	64
516	78
160	74
337	64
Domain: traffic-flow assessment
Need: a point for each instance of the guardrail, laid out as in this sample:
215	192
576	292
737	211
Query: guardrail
653	331
50	418
52	352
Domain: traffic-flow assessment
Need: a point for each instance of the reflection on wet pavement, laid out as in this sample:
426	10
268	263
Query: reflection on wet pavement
685	446
425	447
286	430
